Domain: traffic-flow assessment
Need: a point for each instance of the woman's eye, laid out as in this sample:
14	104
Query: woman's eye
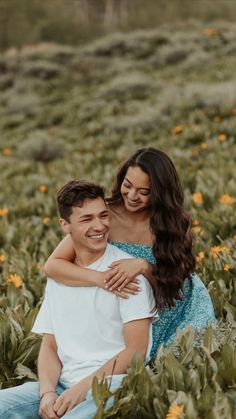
126	186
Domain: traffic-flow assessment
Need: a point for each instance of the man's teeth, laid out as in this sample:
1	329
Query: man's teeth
98	236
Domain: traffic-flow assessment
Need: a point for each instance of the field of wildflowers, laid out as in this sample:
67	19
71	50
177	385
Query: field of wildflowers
70	112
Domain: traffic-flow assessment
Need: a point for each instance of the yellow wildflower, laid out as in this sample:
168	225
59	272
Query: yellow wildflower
215	250
177	130
6	152
2	258
15	279
217	118
226	199
42	188
46	220
204	146
4	212
198	198
195	152
175	411
195	223
221	138
200	256
198	230
212	32
226	267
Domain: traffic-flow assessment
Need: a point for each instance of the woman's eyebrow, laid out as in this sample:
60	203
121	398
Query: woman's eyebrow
146	189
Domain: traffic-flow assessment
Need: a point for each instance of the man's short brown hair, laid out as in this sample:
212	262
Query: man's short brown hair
74	193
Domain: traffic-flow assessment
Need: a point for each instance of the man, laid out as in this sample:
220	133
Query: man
87	331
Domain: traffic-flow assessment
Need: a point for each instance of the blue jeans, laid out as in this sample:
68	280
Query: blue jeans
22	402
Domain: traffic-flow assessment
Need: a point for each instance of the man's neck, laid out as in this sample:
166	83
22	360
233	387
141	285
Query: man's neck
84	257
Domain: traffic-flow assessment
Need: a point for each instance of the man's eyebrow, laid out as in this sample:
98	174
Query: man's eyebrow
91	215
146	189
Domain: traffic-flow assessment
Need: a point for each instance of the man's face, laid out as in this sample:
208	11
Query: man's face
89	225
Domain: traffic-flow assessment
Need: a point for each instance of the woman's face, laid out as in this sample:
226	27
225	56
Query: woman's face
135	189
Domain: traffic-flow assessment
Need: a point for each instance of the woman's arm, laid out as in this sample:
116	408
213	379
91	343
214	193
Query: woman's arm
61	267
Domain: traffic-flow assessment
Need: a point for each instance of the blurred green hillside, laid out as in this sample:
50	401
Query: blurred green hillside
74	22
77	112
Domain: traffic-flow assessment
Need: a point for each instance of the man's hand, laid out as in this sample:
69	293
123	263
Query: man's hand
46	407
71	397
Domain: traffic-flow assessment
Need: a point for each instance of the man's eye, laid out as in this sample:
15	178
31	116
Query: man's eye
104	215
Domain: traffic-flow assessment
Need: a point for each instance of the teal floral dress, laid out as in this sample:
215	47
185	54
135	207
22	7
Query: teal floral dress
195	309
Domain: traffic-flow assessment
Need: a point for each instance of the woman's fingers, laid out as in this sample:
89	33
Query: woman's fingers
119	282
132	287
120	294
114	264
125	283
118	276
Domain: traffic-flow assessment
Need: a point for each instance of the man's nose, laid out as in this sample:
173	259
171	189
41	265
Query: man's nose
98	224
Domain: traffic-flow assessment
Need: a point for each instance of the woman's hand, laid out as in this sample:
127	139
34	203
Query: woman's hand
122	273
131	288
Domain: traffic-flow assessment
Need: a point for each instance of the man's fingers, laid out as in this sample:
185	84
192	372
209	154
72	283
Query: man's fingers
57	403
52	413
62	409
48	413
59	406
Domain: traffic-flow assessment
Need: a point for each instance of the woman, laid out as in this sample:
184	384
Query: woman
149	222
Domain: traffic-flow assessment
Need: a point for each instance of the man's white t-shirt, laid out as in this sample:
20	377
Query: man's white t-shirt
87	322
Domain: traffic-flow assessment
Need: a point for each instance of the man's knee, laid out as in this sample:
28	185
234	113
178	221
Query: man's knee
20	402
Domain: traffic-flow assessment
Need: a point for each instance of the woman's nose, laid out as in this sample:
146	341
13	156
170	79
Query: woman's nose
132	195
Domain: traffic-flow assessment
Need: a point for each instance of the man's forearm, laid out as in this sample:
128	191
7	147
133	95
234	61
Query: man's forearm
116	365
49	368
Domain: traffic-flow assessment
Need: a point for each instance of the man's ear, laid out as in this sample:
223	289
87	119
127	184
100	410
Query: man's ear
64	225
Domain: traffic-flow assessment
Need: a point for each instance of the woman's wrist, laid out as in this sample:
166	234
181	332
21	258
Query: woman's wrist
99	278
144	267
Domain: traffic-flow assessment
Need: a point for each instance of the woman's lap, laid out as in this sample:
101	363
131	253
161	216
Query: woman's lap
195	310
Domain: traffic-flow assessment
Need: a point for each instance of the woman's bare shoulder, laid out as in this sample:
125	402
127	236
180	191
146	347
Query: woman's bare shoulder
115	210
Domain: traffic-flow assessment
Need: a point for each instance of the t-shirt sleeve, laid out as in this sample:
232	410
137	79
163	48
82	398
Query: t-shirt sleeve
43	322
139	306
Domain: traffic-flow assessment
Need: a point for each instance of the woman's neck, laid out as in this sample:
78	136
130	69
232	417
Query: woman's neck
132	217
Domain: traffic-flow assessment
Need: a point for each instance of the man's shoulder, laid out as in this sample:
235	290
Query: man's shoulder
113	251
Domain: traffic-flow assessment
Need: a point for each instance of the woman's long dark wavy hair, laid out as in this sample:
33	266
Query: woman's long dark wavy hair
169	223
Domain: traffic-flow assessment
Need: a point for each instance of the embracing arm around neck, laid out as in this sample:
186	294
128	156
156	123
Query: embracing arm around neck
61	267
